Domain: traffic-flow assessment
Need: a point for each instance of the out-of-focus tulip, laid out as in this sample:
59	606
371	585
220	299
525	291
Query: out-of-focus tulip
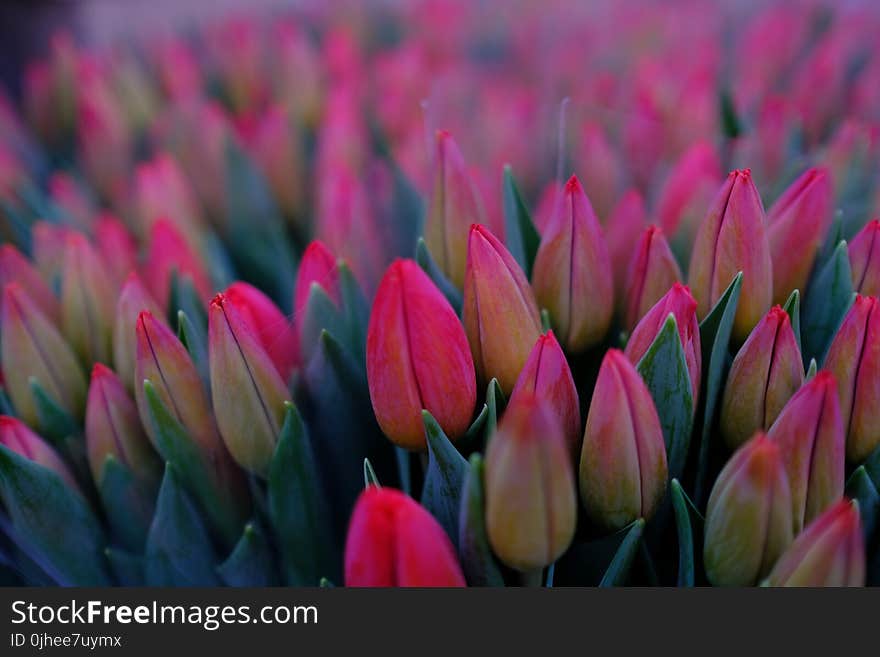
169	252
546	207
77	205
622	230
161	190
246	388
829	552
623	459
531	502
32	348
318	265
688	191
297	72
652	271
731	239
393	541
811	439
547	375
15	268
417	358
764	375
854	360
678	302
796	225
455	206
500	315
601	167
864	257
748	518
133	298
49	240
572	273
17	436
117	248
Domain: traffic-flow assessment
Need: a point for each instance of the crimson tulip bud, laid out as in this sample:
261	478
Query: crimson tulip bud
689	190
15	268
162	190
854	360
455	206
499	311
748	518
811	439
864	257
622	230
417	358
247	390
765	373
133	298
531	501
679	303
547	375
796	225
731	239
393	541
169	252
117	248
572	273
652	271
623	459
17	436
829	552
317	267
32	348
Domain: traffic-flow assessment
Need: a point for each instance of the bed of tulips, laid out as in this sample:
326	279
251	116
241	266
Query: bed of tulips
266	321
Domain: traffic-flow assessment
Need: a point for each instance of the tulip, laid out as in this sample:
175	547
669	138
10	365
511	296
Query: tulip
246	388
32	348
679	303
117	248
864	257
829	552
546	207
417	358
49	241
622	230
14	267
547	375
748	518
499	311
114	429
393	541
602	168
854	360
455	206
276	149
162	190
796	225
168	253
688	191
75	203
652	271
318	265
732	239
133	298
764	375
572	272
623	459
17	436
812	442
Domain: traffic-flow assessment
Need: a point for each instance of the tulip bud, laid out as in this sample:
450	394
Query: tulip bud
689	190
417	358
246	388
49	241
32	348
14	267
162	190
572	272
547	375
811	439
17	436
317	266
854	360
75	203
652	271
168	253
623	459
679	303
455	206
133	298
499	311
864	257
117	248
622	231
393	541
829	552
732	239
601	167
796	225
276	149
113	428
765	373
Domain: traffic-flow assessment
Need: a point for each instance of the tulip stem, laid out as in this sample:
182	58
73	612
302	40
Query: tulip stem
532	578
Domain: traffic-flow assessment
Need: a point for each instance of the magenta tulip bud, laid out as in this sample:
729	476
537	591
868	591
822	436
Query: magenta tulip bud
169	253
652	271
17	436
864	258
117	248
622	230
49	241
689	190
15	268
318	265
133	298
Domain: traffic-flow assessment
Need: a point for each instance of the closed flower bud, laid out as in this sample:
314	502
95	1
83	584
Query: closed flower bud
652	271
623	459
572	273
499	312
17	436
731	239
854	360
531	501
15	268
318	265
864	257
49	241
811	439
796	225
169	252
622	230
32	348
829	552
393	541
133	298
117	248
765	373
247	390
417	358
688	191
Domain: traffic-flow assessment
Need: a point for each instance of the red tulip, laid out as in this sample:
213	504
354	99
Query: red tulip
652	271
14	267
17	436
622	230
117	248
864	256
133	298
689	190
169	252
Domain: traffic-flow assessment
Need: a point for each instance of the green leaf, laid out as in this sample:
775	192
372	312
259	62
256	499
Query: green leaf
355	312
495	401
546	324
689	524
479	565
129	507
195	339
326	584
5	404
319	314
520	235
250	563
56	424
811	370
828	298
793	308
127	568
430	267
444	479
872	466
731	127
665	372
860	487
53	523
402	457
618	570
370	478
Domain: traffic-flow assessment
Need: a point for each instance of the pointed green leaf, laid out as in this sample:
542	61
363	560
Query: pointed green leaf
444	480
520	235
250	563
860	487
828	298
731	127
370	478
546	324
355	312
402	458
127	568
689	525
319	314
479	565
793	308
618	569
5	404
195	339
811	370
430	267
56	424
872	466
128	506
496	402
